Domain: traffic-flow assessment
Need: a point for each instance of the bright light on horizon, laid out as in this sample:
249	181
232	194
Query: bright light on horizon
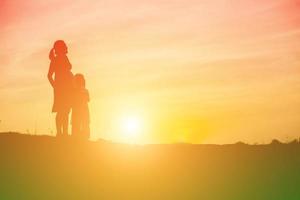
131	127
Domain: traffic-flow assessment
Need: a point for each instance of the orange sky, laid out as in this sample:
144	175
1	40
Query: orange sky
192	71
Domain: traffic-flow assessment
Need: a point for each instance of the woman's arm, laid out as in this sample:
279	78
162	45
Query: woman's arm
50	74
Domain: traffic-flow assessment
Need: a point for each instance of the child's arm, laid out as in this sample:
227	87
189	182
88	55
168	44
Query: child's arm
87	96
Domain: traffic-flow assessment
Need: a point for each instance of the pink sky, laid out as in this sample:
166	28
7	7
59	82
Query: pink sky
196	71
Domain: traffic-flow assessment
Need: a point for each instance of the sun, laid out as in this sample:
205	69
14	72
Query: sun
131	127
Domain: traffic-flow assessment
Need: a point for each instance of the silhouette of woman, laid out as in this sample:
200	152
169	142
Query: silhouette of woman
61	77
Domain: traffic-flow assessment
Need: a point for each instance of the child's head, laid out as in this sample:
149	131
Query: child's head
79	81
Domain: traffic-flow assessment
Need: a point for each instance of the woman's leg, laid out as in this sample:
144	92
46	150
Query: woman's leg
65	123
58	121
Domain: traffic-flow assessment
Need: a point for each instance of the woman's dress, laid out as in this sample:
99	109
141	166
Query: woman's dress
63	84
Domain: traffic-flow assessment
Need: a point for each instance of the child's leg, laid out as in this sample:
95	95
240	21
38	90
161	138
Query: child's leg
75	128
86	130
75	123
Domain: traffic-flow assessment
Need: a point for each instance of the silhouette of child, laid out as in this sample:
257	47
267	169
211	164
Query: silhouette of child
80	110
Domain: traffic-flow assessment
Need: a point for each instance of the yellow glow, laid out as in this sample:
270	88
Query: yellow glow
131	127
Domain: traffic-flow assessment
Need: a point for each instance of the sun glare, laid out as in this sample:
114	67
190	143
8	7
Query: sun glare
131	127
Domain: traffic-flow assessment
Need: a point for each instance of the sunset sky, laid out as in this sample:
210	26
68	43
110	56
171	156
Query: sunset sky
197	71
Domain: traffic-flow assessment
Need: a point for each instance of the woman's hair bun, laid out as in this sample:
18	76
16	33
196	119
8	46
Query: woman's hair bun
52	54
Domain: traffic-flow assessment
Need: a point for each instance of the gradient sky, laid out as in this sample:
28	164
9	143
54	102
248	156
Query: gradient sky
193	71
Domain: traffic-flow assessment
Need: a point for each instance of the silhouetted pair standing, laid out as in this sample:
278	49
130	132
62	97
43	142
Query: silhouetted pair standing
69	94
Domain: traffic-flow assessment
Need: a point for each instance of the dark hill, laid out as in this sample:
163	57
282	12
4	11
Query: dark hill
44	167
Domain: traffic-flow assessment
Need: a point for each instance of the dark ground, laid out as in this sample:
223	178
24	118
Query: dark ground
44	167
